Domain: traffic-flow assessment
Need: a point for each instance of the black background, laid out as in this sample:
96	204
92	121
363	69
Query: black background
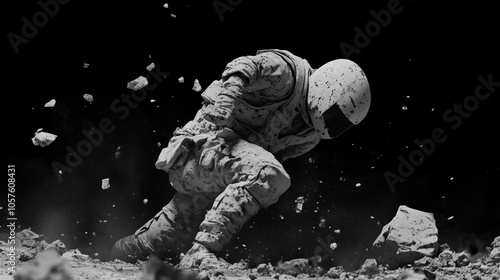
431	52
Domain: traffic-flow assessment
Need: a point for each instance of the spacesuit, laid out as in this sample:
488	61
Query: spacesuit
226	163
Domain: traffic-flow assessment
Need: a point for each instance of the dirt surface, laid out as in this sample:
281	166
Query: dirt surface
41	260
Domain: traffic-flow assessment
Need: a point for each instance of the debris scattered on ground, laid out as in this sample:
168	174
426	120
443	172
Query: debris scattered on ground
461	259
31	245
150	66
46	265
494	255
300	203
369	268
156	269
138	83
322	223
181	80
75	254
409	236
105	184
203	275
43	139
264	269
419	274
57	246
196	86
50	104
88	97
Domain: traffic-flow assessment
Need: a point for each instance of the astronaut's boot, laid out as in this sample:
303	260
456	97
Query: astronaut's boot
168	233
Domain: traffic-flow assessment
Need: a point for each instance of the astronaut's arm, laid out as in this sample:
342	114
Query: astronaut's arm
221	112
260	72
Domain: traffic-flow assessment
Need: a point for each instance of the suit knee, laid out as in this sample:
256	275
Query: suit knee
272	182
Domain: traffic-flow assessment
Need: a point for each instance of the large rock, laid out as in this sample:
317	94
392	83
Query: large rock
411	235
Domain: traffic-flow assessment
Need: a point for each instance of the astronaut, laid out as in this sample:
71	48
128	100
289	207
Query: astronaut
226	163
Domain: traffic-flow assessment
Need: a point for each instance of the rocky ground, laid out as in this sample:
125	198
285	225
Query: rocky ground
39	260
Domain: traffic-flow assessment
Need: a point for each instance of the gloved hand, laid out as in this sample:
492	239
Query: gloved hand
221	113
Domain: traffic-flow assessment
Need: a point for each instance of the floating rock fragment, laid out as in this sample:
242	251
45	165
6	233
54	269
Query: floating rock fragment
294	267
46	265
411	235
138	83
88	97
150	66
181	80
165	5
86	65
105	184
50	104
300	203
196	86
43	139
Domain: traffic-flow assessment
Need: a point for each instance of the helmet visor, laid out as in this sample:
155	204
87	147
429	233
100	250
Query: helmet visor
336	121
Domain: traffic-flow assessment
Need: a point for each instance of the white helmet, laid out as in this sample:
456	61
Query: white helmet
338	98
